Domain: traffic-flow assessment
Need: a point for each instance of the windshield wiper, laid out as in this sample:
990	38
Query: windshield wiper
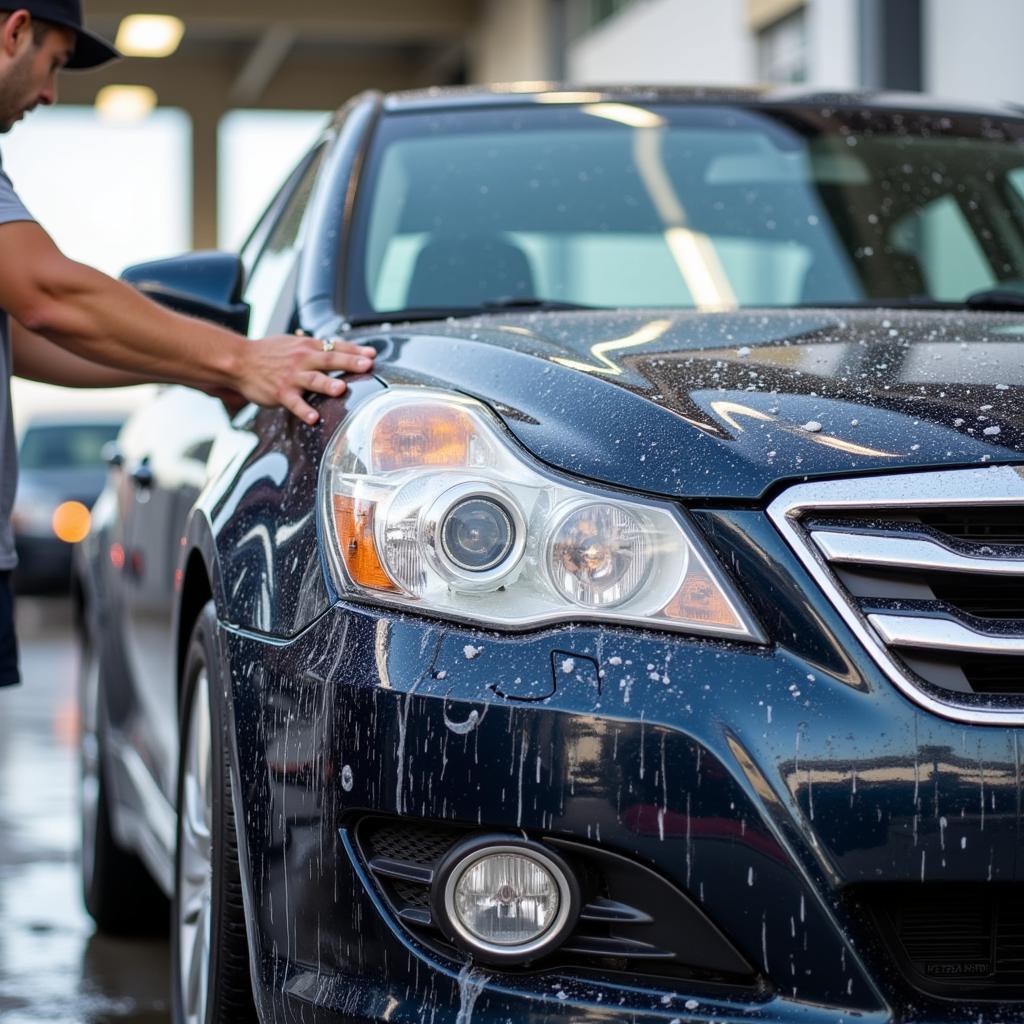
531	303
502	305
1009	300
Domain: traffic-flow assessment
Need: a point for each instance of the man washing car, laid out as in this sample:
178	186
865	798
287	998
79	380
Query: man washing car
65	323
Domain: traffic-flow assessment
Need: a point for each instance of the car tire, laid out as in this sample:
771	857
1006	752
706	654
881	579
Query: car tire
119	893
210	973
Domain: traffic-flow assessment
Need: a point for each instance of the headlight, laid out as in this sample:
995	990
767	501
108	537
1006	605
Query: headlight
427	503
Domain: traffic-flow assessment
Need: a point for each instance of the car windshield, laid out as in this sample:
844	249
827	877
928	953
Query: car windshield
614	204
65	445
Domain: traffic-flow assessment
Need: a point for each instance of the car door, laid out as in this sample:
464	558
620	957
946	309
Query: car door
165	449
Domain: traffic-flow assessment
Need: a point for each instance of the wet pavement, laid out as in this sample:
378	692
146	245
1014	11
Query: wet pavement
53	967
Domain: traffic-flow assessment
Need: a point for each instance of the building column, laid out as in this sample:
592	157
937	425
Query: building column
512	42
890	44
205	122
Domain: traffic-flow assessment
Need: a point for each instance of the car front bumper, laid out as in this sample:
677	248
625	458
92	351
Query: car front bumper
790	790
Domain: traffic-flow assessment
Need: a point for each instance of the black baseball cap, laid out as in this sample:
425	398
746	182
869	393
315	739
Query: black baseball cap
90	50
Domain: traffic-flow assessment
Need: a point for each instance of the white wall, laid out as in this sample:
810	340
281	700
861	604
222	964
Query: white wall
665	41
973	49
832	44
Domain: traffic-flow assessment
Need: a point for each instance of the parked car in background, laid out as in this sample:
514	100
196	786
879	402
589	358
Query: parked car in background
642	640
62	469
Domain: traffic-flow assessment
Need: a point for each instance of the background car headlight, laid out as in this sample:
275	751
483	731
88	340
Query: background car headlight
428	503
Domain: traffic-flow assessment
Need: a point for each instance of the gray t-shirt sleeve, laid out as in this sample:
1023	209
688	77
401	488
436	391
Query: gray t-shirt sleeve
11	207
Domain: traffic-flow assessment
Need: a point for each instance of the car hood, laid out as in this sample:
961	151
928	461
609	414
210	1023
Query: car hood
731	405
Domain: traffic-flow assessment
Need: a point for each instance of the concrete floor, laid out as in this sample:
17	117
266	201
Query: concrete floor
53	967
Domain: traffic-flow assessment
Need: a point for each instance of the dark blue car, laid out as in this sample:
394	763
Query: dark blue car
644	639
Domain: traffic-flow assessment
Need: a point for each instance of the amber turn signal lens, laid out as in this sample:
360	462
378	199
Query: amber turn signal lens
412	436
700	600
353	520
71	522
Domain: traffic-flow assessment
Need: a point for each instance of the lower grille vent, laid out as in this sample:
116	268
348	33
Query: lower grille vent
953	941
632	921
928	568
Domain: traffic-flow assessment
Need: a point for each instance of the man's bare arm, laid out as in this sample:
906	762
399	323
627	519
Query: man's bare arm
38	358
105	321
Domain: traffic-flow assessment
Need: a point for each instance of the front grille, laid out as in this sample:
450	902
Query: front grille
928	569
993	525
962	941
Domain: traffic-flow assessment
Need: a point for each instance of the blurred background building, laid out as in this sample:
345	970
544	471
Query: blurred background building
182	143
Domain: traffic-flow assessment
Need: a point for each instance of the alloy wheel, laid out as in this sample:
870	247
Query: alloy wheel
89	753
195	862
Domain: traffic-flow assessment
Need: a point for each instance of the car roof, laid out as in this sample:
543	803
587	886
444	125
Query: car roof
528	93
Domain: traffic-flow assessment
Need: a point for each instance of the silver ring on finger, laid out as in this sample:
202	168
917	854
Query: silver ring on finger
328	344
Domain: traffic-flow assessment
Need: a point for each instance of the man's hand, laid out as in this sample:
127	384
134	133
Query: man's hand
279	370
108	323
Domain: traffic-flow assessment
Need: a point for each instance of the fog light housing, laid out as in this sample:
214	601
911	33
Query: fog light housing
505	900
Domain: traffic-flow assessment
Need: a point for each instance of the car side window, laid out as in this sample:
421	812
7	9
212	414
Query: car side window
270	289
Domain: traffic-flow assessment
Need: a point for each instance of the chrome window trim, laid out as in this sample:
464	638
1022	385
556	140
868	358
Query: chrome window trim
991	485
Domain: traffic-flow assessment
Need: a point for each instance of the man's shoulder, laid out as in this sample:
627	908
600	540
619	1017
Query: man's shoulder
11	206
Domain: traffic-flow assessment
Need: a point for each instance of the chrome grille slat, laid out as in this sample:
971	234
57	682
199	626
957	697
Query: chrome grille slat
861	532
942	635
907	553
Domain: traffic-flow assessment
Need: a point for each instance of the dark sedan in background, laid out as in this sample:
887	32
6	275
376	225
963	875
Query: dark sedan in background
62	467
644	639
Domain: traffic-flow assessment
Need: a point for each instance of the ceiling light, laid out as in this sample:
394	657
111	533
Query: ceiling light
125	103
149	35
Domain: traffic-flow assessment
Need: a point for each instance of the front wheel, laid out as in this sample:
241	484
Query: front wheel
210	977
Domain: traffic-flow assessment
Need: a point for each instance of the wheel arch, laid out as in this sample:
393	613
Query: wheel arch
199	583
196	590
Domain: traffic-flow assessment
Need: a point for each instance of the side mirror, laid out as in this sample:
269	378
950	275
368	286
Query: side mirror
207	285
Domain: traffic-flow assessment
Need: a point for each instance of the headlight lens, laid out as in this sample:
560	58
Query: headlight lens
477	534
427	503
599	556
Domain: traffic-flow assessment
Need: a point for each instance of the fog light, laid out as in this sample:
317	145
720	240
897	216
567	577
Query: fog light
506	901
